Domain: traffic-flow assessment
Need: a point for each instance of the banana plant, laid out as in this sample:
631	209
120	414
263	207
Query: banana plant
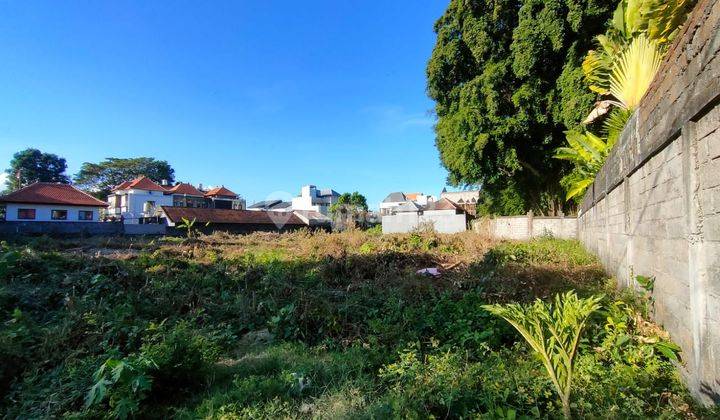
553	331
189	226
588	152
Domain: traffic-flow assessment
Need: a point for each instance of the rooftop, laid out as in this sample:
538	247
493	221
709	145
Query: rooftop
226	216
186	189
140	183
52	193
220	192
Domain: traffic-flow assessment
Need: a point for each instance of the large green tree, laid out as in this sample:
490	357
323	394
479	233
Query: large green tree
99	178
507	81
32	165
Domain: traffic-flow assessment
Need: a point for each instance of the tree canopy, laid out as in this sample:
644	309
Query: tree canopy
32	165
99	178
507	81
355	200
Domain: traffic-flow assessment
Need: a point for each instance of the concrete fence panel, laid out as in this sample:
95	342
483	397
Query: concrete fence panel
654	208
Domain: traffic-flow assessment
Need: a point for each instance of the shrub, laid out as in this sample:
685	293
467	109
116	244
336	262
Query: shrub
553	332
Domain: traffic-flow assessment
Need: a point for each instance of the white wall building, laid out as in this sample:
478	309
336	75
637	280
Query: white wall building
137	199
50	202
397	199
442	216
312	199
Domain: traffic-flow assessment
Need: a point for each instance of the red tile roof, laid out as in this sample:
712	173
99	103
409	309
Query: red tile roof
187	189
122	186
220	192
442	204
226	216
140	183
52	193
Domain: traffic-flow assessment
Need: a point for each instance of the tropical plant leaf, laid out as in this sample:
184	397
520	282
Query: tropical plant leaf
633	72
553	331
578	188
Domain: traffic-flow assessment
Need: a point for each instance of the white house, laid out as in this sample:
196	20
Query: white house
140	200
443	216
312	199
50	202
133	201
396	199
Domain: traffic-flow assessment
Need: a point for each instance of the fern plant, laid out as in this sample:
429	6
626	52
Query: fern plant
553	331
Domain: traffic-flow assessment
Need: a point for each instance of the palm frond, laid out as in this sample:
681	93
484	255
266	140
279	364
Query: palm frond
633	72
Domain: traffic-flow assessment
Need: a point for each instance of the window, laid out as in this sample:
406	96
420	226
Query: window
26	214
3	211
85	215
58	214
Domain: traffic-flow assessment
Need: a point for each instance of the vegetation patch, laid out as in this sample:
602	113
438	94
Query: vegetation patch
315	325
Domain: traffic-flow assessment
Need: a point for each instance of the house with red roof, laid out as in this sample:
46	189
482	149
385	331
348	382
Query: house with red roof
223	198
50	202
139	201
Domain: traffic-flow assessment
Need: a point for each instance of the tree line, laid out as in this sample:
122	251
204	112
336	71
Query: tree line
521	85
32	165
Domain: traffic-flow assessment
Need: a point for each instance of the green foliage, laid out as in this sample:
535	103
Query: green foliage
189	227
123	384
349	211
299	325
506	80
553	332
588	152
100	178
31	165
628	56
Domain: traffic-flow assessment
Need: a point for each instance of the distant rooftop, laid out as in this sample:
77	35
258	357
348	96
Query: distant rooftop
52	193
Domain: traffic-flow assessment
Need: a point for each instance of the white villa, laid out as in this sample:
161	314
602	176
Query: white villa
312	199
141	199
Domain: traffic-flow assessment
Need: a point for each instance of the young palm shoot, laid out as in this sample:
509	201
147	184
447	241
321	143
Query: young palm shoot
189	225
553	331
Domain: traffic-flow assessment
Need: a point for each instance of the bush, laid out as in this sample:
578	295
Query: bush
167	328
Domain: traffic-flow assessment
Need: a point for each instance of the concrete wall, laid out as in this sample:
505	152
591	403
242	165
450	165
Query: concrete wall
654	208
8	229
527	227
144	229
443	221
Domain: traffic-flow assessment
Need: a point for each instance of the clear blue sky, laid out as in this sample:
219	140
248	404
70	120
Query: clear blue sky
260	96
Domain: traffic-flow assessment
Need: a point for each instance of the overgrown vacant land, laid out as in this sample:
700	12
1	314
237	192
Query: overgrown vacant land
312	325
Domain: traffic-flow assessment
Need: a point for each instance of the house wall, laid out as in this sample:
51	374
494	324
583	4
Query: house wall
134	202
309	200
443	221
42	213
654	208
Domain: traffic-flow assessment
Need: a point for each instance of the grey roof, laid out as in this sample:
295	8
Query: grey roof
395	197
313	218
270	204
328	192
407	207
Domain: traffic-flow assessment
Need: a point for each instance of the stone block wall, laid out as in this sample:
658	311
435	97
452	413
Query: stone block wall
527	227
654	208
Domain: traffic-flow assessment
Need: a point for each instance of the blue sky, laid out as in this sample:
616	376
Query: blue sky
261	96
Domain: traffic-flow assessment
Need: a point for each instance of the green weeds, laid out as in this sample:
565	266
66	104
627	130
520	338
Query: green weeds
312	325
